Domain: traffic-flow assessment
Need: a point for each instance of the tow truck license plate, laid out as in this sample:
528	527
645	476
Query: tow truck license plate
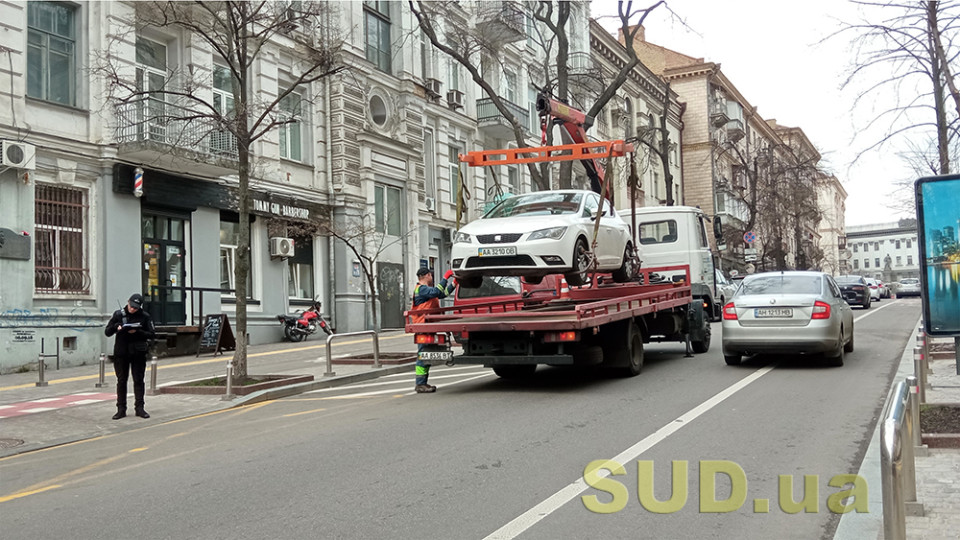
773	313
497	251
442	356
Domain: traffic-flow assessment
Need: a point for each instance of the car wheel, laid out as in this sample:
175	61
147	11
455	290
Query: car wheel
848	348
470	282
836	359
628	268
581	264
515	372
703	345
732	359
866	305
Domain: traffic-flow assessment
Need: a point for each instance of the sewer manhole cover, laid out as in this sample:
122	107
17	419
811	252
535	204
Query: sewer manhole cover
10	443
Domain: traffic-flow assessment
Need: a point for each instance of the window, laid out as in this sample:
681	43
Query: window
229	242
429	164
897	244
60	249
454	160
291	111
387	210
876	246
535	117
909	260
223	102
856	264
453	74
513	179
151	76
899	260
866	263
376	15
855	246
51	52
908	244
658	232
866	247
876	262
301	269
510	86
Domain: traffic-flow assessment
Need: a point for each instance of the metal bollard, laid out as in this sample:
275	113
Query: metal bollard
229	395
103	371
919	369
913	387
40	368
153	375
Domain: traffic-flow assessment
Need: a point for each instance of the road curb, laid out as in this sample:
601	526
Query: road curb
299	388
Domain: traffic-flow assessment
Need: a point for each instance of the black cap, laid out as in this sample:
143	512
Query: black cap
423	271
136	300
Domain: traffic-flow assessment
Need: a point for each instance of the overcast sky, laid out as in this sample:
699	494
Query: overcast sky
772	52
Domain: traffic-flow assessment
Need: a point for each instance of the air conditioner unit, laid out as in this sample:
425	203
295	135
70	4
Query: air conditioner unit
455	99
18	155
433	87
430	203
281	247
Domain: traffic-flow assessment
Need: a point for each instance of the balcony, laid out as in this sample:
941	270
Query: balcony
169	136
493	124
735	129
582	71
501	21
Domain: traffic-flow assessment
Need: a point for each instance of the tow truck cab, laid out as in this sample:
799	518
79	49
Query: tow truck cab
677	235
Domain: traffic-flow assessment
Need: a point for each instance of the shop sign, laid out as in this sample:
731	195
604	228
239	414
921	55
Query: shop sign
281	210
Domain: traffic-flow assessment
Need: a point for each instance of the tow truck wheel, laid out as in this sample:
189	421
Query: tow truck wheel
702	346
521	371
624	351
581	264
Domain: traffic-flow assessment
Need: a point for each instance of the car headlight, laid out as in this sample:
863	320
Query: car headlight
462	238
553	233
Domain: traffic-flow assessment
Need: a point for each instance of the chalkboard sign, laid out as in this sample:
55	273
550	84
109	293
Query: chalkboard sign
216	335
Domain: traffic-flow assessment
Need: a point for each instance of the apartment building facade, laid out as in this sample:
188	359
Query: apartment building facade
886	251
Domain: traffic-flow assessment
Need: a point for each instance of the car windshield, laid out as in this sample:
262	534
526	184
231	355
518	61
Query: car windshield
847	280
782	284
658	232
535	204
492	286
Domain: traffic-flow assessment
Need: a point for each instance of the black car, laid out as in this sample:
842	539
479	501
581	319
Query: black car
855	290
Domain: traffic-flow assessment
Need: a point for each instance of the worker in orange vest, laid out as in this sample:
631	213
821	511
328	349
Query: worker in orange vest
426	297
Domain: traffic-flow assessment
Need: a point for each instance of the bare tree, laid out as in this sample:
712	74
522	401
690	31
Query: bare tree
237	34
477	47
656	139
909	49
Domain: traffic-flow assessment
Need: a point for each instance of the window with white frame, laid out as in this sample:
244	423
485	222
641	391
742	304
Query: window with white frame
510	86
229	244
60	249
513	179
453	74
151	77
856	264
223	103
453	158
876	262
429	164
909	260
52	52
291	112
376	14
866	263
532	108
899	260
387	210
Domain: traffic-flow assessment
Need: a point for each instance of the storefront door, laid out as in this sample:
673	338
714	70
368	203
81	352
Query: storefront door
164	266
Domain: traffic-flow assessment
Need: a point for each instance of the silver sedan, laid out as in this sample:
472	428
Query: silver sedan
787	313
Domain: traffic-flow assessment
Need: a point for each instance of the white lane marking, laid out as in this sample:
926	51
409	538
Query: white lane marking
872	311
482	375
385	383
530	518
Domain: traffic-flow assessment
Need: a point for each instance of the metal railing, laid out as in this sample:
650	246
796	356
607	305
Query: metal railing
329	350
194	316
487	111
898	432
151	118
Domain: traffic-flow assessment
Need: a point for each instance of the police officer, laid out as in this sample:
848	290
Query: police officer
134	328
426	297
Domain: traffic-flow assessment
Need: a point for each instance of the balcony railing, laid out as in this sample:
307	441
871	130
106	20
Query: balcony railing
502	21
152	120
489	117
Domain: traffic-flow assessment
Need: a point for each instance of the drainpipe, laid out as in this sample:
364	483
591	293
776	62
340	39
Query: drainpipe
683	109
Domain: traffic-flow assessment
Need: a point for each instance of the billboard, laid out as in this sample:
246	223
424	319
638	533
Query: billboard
938	225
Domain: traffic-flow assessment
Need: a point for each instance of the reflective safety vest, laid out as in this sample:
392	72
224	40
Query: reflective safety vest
431	303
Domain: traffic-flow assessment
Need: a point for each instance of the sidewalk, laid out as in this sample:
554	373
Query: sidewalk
938	473
71	407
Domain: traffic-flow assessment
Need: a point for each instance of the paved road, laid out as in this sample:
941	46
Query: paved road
482	456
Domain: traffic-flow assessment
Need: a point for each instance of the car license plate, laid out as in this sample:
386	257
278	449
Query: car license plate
505	251
773	313
442	356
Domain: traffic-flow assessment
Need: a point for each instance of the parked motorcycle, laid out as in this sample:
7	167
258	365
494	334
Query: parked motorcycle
297	327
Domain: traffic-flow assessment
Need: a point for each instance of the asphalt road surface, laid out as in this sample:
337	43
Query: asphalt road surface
485	457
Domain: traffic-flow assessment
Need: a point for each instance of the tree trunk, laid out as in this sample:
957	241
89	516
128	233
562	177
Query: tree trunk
242	268
938	65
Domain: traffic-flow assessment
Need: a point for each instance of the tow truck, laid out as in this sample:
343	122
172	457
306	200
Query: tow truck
601	323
